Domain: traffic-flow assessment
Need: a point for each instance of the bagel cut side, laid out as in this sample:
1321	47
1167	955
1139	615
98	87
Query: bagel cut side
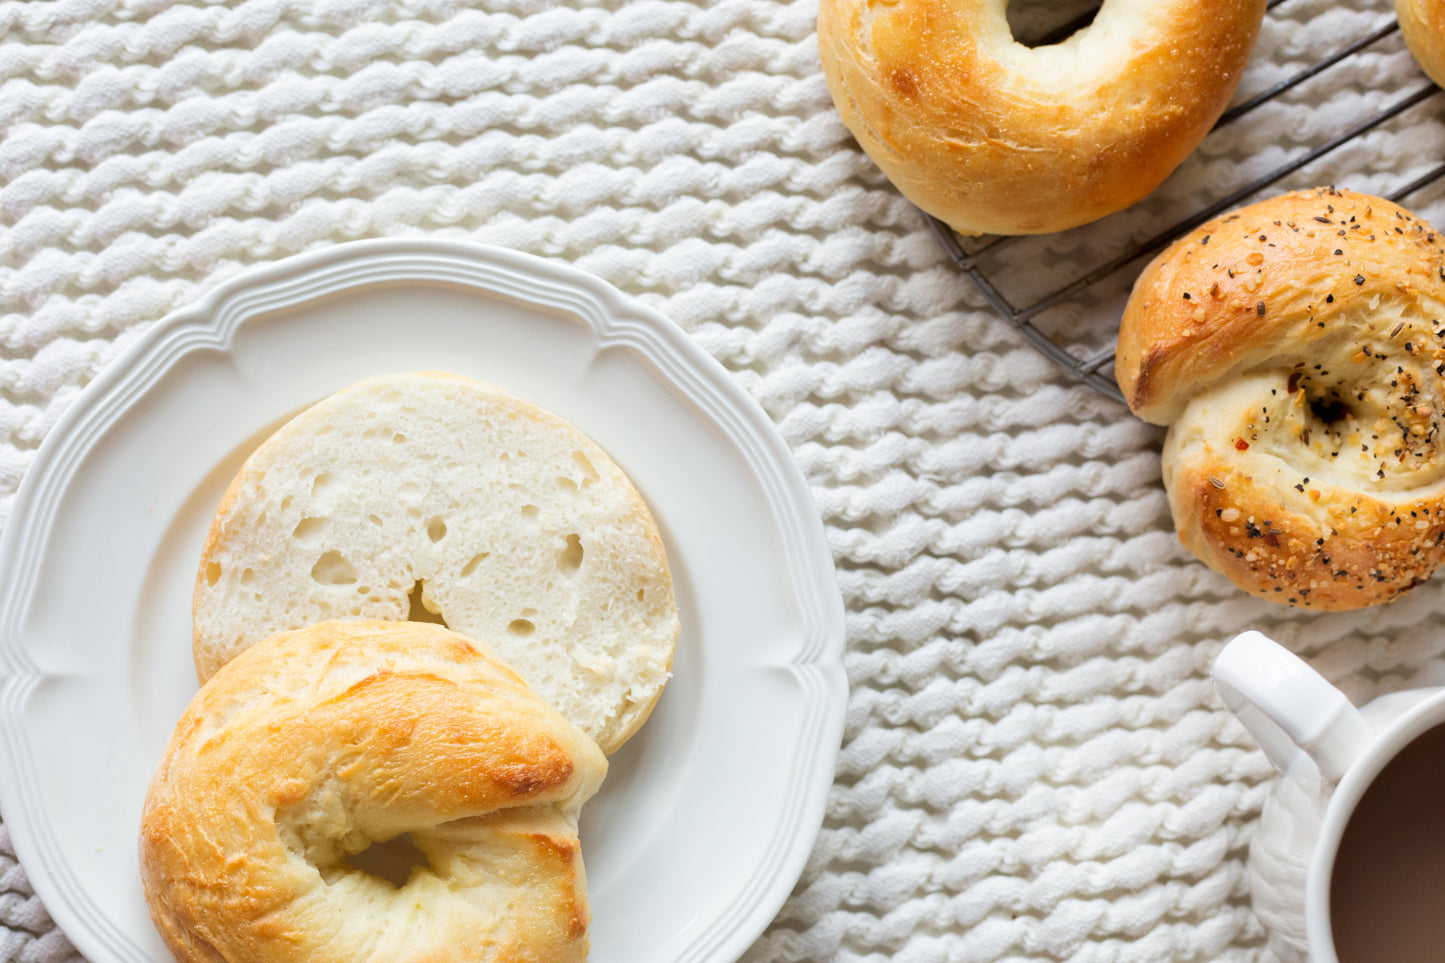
993	137
437	497
310	747
1296	348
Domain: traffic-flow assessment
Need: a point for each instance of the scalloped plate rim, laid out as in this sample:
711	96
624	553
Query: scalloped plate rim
809	559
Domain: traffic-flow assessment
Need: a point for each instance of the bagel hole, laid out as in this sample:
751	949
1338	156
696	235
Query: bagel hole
476	560
418	610
1329	410
436	528
521	627
392	860
1043	23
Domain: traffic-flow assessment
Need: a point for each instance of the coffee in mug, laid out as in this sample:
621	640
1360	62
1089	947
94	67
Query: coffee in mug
1387	889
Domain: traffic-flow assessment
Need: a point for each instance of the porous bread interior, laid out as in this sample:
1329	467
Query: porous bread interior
518	528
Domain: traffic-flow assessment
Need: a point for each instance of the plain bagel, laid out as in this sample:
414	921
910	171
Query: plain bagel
428	495
1296	350
996	138
313	745
1423	24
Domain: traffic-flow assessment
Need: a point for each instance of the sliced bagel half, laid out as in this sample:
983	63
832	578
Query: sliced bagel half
437	497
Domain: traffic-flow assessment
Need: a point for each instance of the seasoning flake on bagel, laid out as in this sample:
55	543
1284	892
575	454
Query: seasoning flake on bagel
1296	350
994	137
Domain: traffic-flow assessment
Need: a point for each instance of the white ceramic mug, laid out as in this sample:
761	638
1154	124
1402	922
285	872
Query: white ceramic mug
1328	753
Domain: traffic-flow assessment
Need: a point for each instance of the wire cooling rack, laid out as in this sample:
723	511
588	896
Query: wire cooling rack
1123	242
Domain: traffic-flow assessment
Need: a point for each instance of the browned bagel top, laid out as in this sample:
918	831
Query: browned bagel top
315	744
1296	349
1423	24
994	137
1292	278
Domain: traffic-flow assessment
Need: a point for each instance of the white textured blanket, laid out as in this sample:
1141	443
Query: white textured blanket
1035	765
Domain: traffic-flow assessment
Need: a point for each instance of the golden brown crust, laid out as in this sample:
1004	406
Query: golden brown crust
1423	24
1295	350
992	137
1262	281
1364	551
313	744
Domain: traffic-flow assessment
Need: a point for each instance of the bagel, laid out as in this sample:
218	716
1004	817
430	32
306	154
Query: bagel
435	496
314	744
1423	24
993	137
1294	348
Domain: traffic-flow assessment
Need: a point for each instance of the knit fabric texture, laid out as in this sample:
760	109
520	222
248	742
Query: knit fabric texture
1035	764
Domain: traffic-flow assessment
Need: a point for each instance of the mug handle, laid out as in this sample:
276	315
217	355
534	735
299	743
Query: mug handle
1288	707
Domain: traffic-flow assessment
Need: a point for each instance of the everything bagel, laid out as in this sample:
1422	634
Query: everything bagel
1296	350
996	138
312	745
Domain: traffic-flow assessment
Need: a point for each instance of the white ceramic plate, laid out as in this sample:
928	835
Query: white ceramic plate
707	815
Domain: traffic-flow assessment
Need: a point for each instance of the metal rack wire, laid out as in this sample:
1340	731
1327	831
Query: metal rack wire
1094	367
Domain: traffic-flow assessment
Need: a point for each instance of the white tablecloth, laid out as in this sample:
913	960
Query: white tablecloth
1035	766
